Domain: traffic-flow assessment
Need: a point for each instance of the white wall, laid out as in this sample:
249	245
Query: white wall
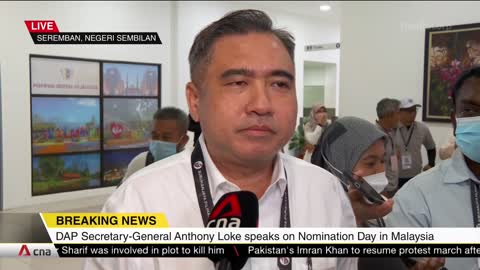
313	75
306	30
383	52
326	75
331	77
73	17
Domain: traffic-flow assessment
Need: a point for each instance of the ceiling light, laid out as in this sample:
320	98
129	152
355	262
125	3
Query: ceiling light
325	7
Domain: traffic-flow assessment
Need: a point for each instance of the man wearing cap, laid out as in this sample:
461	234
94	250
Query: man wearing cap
409	138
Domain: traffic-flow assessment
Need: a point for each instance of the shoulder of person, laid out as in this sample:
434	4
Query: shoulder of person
422	125
427	180
159	177
306	170
139	158
163	171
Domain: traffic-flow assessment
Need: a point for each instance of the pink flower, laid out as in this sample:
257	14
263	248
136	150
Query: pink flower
450	74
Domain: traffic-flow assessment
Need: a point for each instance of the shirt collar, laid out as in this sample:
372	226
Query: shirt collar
217	182
458	170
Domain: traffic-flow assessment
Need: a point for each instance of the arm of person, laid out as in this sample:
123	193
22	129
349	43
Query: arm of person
429	144
411	210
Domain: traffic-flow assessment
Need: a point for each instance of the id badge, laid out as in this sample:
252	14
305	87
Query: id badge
406	161
394	163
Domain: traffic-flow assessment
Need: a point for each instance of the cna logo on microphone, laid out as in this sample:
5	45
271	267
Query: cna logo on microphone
46	32
226	214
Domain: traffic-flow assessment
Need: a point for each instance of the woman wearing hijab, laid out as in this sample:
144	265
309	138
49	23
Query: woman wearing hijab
313	128
355	146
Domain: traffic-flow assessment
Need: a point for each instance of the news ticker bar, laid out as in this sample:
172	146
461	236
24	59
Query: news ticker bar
151	38
248	250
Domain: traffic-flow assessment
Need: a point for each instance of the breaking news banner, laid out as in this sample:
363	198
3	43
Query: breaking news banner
148	235
46	32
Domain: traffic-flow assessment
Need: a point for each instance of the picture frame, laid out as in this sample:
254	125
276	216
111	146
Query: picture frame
449	51
55	104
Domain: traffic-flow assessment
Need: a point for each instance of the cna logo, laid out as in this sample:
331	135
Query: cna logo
24	249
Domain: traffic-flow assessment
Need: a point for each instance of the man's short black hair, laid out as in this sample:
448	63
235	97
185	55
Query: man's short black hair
238	22
172	113
470	73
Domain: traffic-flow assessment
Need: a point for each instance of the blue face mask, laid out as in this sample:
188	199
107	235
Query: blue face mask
161	149
468	137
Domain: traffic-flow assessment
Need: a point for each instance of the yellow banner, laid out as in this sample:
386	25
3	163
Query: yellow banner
104	220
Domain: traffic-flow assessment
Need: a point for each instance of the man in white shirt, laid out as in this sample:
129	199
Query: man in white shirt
243	94
169	136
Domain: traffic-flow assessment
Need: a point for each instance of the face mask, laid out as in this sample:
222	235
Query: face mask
161	149
378	181
467	137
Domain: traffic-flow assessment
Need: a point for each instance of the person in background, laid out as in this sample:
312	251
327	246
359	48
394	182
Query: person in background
313	128
388	118
169	136
409	137
354	145
445	195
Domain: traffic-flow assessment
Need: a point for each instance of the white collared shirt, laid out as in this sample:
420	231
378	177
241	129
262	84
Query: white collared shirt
316	199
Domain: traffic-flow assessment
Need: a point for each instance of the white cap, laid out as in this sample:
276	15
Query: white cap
408	103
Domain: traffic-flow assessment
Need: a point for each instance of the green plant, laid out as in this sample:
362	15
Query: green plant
297	143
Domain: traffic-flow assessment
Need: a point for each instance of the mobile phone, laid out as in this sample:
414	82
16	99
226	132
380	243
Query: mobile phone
368	191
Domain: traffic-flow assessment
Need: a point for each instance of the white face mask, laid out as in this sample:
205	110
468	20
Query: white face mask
378	181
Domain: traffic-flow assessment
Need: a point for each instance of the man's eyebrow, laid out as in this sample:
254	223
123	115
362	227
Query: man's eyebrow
237	71
251	73
282	73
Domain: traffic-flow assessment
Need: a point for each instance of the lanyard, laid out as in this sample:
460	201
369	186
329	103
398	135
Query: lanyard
475	197
206	203
409	137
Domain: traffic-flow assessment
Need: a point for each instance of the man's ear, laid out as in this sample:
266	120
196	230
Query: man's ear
453	119
192	94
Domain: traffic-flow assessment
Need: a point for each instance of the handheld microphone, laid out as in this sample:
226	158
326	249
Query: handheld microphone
234	210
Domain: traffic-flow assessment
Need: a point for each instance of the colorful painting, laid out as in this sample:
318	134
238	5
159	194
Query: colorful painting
127	122
53	76
448	52
61	173
130	79
65	125
115	165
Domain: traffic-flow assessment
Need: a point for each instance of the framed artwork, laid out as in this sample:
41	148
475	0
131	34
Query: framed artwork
127	122
448	52
89	119
60	76
65	125
127	79
115	165
61	173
